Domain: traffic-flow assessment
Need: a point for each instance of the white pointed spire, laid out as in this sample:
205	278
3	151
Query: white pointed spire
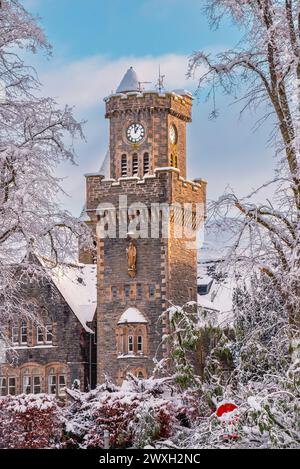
130	82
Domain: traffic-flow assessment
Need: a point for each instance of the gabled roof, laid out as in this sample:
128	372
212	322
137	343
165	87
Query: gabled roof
132	315
130	82
78	285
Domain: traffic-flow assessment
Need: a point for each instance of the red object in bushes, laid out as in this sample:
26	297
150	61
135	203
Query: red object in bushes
224	408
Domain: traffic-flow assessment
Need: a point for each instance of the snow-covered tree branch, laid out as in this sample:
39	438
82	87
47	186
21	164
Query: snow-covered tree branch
35	136
265	70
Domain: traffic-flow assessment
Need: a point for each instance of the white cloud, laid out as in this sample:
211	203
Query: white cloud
88	80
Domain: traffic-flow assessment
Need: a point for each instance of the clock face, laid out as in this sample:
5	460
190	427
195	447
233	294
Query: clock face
135	133
173	134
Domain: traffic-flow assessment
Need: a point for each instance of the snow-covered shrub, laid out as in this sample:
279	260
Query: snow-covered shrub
30	422
135	414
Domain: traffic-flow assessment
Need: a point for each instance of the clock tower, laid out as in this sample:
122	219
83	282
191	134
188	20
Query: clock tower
148	260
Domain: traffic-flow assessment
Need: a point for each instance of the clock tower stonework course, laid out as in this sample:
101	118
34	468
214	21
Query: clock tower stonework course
141	274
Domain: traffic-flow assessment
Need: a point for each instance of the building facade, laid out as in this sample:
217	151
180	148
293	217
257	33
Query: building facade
137	213
53	346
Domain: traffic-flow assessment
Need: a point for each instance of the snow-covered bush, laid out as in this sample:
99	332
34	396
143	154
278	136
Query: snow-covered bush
30	422
135	414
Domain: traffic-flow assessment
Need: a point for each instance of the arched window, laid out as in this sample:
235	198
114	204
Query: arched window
135	165
146	164
130	343
132	340
31	380
172	160
124	165
140	344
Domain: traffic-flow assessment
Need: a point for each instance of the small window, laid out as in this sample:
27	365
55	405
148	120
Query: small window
39	335
140	375
52	384
124	165
24	337
49	333
175	161
114	293
61	385
135	164
146	166
172	160
15	335
26	384
139	291
130	344
12	386
37	389
140	343
3	386
152	291
127	292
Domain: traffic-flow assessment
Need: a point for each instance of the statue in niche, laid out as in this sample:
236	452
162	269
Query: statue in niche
131	259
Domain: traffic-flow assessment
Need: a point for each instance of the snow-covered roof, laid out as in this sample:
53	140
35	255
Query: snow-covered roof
130	82
183	92
132	315
219	296
77	284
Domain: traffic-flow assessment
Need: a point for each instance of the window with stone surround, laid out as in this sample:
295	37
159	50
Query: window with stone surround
3	386
151	292
44	334
146	164
56	380
124	165
15	334
114	293
31	379
49	333
24	333
132	339
135	164
12	385
7	385
127	292
39	335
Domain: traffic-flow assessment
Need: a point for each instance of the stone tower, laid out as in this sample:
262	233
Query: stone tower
142	271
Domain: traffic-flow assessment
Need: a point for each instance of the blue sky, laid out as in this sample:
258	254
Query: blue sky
95	41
